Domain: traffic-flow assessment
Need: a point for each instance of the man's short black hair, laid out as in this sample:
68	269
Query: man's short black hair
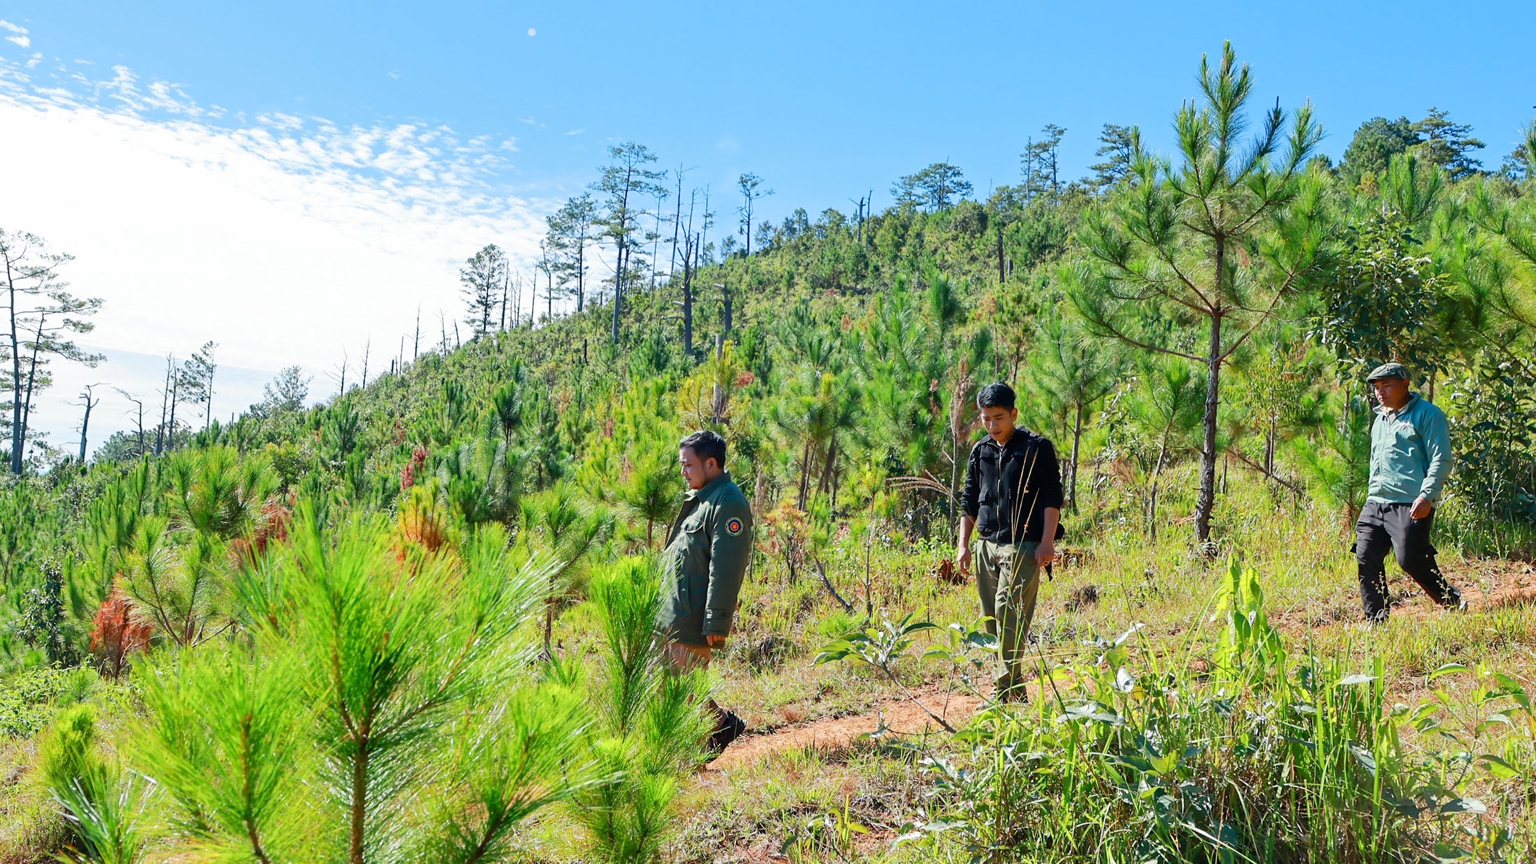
705	444
995	396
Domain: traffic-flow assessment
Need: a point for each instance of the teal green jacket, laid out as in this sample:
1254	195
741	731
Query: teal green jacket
1410	453
707	552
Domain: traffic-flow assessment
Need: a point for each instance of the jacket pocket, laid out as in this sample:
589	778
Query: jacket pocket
986	519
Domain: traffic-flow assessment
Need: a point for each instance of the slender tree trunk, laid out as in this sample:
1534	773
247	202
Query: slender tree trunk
208	403
677	224
141	429
618	293
1077	438
828	469
805	473
1001	275
170	432
688	298
18	434
359	801
26	410
165	398
85	424
1208	450
656	246
748	253
1270	436
581	273
1162	452
622	256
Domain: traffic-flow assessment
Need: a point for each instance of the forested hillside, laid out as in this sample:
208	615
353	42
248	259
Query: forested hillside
454	550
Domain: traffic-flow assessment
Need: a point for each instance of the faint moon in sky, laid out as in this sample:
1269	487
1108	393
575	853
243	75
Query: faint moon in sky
532	32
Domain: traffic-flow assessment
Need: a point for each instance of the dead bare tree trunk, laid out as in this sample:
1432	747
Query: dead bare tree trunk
85	423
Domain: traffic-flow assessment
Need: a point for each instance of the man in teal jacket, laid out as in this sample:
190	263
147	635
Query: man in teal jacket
1410	459
707	552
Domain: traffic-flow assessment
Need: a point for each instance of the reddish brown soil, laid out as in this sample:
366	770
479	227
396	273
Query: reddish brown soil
832	734
1486	584
1493	584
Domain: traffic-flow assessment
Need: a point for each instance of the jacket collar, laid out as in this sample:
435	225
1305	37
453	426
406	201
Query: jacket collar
1019	438
709	488
1413	399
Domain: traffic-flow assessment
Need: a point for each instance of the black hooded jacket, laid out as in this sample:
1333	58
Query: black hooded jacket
1008	487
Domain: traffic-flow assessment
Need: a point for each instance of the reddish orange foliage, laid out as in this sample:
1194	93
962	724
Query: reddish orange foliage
271	527
116	632
421	526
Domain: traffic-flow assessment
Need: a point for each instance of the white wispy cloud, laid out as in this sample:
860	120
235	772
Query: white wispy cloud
287	239
18	34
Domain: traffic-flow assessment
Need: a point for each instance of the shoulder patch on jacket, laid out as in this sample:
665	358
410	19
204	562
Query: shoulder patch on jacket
733	526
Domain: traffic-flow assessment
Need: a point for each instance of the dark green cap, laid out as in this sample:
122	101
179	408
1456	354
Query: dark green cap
1389	370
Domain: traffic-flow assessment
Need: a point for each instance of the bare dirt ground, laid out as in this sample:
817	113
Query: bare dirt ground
1486	584
1492	584
832	734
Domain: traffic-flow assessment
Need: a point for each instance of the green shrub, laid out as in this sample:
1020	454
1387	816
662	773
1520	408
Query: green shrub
27	701
650	727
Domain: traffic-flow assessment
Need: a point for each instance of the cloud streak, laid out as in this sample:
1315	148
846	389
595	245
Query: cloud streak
286	239
18	34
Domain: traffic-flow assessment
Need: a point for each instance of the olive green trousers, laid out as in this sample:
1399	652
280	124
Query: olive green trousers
1008	580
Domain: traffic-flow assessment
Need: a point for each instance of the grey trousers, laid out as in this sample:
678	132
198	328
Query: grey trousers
1008	580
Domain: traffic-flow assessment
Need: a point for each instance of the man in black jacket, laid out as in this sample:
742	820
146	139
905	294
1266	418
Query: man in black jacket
1012	498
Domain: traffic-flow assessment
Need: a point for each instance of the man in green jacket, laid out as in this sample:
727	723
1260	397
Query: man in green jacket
707	552
1410	459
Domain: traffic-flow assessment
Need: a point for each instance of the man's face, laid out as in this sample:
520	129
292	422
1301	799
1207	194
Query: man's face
1392	393
696	471
999	422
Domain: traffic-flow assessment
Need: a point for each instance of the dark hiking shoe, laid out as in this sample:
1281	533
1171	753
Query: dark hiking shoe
730	728
1015	695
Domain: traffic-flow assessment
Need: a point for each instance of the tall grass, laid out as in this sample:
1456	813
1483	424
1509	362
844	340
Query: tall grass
1226	747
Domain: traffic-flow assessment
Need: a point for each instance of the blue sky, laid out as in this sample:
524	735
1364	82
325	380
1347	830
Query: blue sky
824	100
295	180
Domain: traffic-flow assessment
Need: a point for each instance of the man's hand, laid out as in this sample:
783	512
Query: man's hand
963	558
1045	553
1421	508
714	640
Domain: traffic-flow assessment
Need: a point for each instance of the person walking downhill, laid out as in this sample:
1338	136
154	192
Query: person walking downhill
706	556
1012	499
1410	459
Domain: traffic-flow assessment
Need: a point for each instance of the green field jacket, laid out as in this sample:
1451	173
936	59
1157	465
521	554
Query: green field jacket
706	557
1410	453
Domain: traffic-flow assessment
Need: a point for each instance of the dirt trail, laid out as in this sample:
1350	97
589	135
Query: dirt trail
1486	584
836	733
1509	583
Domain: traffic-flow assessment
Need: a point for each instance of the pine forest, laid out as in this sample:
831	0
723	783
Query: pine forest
412	618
